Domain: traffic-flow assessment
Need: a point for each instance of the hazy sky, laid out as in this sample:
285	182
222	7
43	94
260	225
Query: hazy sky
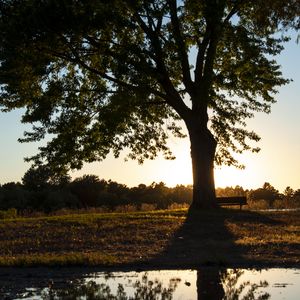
277	163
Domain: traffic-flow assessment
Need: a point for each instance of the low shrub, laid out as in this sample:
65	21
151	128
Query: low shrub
8	214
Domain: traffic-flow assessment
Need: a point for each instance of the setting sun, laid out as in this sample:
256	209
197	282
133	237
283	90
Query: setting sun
230	176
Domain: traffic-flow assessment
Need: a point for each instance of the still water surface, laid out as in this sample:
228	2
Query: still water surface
206	283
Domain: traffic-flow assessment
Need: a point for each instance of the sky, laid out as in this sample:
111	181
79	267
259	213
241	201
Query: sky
278	162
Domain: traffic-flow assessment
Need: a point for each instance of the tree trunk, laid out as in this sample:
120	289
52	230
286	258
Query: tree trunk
209	285
203	148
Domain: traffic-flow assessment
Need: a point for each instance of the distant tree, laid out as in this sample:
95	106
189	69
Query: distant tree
11	185
42	176
267	192
117	188
230	191
56	199
87	189
182	194
288	192
297	193
268	187
109	75
137	195
12	195
35	178
159	194
296	197
291	197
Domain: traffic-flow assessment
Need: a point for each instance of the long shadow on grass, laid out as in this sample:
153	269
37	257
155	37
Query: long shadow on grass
205	243
205	240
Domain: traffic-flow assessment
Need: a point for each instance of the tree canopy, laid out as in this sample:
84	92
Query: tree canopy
110	75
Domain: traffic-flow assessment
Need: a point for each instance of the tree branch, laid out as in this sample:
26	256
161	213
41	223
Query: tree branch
210	56
183	56
76	59
157	102
163	78
207	50
233	11
201	56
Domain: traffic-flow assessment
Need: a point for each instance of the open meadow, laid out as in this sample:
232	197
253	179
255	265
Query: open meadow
161	239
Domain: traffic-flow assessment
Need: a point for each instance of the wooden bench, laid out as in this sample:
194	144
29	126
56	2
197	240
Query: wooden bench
225	201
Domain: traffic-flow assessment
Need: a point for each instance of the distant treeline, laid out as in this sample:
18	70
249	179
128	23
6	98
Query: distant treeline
36	193
88	191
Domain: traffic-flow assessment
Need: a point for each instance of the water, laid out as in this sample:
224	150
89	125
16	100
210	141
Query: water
205	283
278	209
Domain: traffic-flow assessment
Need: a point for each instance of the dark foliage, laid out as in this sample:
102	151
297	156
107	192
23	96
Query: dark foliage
101	76
89	191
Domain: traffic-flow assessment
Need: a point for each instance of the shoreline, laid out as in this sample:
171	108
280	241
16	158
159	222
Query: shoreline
72	269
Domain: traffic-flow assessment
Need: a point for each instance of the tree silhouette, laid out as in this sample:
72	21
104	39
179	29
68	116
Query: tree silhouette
42	176
87	189
101	76
267	192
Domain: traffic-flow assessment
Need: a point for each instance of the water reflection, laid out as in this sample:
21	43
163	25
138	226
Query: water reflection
235	290
206	283
144	289
209	285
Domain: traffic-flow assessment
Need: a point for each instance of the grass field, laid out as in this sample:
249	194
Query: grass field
171	238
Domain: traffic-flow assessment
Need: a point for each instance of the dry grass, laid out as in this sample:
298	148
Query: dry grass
158	238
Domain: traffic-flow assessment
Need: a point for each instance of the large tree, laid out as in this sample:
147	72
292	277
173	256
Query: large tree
107	75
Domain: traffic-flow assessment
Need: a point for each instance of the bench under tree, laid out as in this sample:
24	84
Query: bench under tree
226	201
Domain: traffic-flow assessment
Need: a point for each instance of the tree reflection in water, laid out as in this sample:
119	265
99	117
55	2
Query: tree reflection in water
212	283
224	285
209	284
233	291
143	289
